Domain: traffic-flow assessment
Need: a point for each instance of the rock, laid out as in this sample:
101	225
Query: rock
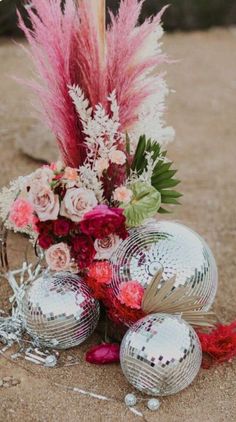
7	379
15	382
36	141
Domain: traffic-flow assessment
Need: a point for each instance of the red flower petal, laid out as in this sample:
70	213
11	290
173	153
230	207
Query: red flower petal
103	354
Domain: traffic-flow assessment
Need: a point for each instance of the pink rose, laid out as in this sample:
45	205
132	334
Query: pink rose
21	213
43	175
77	202
45	203
106	246
131	294
58	257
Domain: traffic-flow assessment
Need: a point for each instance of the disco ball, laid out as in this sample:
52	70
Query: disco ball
173	248
58	311
160	355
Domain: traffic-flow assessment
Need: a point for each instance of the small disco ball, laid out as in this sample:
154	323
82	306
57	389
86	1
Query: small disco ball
173	248
160	355
58	311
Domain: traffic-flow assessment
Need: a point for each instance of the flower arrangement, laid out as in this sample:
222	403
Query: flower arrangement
104	101
102	94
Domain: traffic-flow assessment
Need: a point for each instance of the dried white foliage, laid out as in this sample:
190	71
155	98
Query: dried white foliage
101	130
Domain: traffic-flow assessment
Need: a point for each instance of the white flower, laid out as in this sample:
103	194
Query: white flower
117	157
77	202
101	164
106	246
123	194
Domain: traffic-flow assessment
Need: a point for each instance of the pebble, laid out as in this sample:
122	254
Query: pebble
7	382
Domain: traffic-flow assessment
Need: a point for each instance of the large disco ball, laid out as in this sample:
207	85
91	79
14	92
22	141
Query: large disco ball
160	354
58	311
175	249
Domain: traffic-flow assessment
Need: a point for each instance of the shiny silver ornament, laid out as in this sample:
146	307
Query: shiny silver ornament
130	400
153	404
173	248
58	311
160	355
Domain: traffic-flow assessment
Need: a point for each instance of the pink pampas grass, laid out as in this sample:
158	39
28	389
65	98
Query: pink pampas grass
71	47
64	48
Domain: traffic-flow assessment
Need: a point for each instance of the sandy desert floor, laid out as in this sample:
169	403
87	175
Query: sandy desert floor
202	110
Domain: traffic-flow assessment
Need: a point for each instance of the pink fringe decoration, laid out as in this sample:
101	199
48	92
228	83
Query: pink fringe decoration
65	50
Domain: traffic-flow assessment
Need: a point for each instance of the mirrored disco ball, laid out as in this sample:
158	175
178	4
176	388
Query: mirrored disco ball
175	249
58	311
160	355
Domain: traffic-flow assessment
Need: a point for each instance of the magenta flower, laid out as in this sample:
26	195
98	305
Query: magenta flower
103	354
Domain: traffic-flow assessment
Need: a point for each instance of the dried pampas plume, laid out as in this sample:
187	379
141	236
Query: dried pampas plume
169	299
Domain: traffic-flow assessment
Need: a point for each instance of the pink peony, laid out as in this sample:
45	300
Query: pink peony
131	294
58	257
21	213
45	203
103	221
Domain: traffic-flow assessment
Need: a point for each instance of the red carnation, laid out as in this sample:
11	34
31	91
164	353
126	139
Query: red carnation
219	345
61	227
103	221
45	241
83	250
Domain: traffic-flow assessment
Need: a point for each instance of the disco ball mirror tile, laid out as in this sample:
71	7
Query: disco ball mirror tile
160	355
175	249
59	311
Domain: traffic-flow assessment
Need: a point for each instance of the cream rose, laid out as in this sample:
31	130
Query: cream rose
77	202
45	203
58	257
105	247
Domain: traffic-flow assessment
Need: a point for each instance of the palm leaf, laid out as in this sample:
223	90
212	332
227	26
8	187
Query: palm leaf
163	175
173	300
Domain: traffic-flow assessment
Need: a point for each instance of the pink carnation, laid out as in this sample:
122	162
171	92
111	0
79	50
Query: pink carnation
131	294
21	213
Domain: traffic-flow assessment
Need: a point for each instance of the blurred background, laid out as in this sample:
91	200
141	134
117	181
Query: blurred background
182	15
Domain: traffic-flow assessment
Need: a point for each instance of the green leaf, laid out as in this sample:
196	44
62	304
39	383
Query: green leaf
168	200
161	168
145	203
139	154
171	193
164	176
166	184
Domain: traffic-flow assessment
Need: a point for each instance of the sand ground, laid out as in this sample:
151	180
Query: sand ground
203	113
